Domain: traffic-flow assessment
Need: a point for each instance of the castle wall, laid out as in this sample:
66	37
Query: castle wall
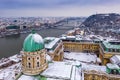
95	75
89	47
34	62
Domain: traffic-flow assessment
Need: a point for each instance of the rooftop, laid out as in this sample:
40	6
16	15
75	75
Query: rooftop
111	46
77	38
9	72
82	57
57	71
50	42
115	59
33	42
112	66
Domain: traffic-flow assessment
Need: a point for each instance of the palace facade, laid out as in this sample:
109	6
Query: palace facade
103	49
37	53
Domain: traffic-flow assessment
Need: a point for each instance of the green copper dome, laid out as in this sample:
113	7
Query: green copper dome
33	42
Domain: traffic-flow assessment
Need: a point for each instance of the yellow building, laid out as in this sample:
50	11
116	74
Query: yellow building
81	46
33	55
95	75
104	50
35	51
54	47
108	49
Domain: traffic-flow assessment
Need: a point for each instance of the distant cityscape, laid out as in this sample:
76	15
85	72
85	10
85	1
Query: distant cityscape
59	40
98	24
89	49
10	26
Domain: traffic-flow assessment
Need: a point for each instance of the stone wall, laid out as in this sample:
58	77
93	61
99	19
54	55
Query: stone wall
95	75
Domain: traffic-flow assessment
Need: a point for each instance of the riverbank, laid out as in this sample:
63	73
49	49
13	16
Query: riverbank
12	45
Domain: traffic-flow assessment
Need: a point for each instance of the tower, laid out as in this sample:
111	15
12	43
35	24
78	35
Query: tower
33	55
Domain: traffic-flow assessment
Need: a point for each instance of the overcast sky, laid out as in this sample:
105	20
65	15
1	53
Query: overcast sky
10	8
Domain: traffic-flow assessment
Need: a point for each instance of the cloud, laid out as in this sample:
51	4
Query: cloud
67	11
18	4
57	7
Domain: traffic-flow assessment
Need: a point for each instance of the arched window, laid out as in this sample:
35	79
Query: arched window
28	58
29	65
38	64
37	58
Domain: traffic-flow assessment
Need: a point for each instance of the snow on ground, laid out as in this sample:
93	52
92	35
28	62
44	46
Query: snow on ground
6	74
25	77
93	67
76	73
52	42
15	58
83	57
73	73
9	72
68	69
54	79
5	61
59	70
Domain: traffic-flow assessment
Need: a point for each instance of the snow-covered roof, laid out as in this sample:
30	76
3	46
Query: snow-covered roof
14	58
70	31
107	44
112	66
9	72
5	62
76	73
63	37
25	77
48	58
59	70
83	57
90	67
70	37
3	75
77	38
51	43
33	42
37	38
115	59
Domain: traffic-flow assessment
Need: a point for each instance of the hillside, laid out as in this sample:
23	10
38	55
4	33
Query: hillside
111	20
69	23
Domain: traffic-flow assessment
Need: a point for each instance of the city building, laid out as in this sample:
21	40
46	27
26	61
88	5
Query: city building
70	57
109	49
54	47
33	55
103	48
42	59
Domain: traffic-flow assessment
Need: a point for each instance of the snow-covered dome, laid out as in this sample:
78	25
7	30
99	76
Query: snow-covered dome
33	42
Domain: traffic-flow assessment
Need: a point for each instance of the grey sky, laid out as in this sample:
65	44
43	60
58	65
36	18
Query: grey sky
57	7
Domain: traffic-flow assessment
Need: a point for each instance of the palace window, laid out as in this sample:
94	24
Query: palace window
29	58
113	50
117	50
37	58
29	65
109	50
38	64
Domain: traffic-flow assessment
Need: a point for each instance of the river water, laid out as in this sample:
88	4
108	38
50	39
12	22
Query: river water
13	45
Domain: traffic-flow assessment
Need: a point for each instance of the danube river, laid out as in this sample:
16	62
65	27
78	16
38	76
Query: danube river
13	45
